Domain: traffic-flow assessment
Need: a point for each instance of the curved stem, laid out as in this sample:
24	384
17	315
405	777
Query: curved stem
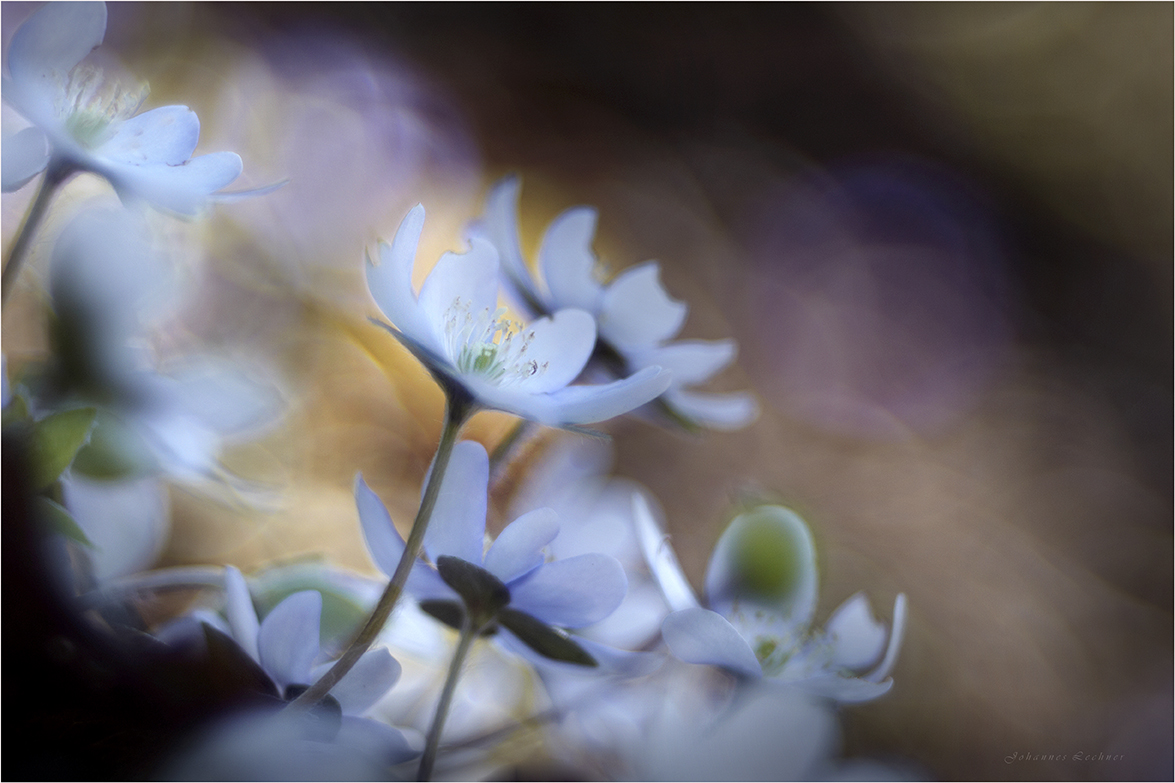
457	410
464	643
55	174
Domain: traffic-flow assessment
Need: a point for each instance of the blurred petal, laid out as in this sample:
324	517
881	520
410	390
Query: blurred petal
895	641
857	639
53	40
568	263
242	617
690	361
501	225
390	282
23	155
386	547
372	676
517	549
585	404
571	593
379	741
661	558
701	636
563	343
842	689
183	189
717	411
288	641
127	521
165	135
636	312
458	520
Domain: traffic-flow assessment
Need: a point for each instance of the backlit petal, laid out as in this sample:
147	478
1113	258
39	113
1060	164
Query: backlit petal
164	135
701	636
242	617
560	346
288	641
571	593
568	263
458	520
518	548
370	678
55	38
636	312
24	155
728	411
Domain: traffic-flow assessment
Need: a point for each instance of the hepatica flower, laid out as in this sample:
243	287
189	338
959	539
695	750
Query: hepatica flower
84	121
761	586
635	316
510	586
455	327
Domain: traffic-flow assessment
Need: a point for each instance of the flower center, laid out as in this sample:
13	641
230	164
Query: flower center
91	104
488	344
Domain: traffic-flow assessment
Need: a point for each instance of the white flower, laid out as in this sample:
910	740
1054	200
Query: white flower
568	593
82	121
635	316
457	330
761	585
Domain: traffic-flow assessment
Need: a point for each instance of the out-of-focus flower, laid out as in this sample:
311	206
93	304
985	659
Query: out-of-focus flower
83	121
568	593
636	318
286	645
457	330
761	586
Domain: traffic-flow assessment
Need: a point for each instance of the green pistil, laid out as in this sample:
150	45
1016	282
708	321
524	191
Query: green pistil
88	128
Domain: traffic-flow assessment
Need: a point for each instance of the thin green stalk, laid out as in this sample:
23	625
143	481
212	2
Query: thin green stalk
457	410
468	634
55	174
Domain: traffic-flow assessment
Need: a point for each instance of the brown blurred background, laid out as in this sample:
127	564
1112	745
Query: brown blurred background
941	234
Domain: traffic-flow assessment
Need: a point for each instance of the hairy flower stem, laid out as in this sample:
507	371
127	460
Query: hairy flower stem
457	410
56	173
468	634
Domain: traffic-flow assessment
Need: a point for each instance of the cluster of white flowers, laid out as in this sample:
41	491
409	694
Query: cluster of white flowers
580	621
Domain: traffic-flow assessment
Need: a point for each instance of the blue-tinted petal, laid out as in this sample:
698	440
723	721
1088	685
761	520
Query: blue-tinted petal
457	527
568	263
23	156
729	411
517	549
386	547
55	38
461	280
636	312
242	617
701	636
661	558
571	593
501	226
559	347
288	641
857	639
372	676
586	404
165	135
183	189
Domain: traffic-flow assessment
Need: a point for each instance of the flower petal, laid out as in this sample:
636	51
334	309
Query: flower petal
379	741
127	521
288	641
471	277
636	312
568	263
730	411
372	676
165	135
517	549
458	520
55	38
571	593
386	547
582	404
242	617
701	636
690	361
501	226
895	641
390	282
24	156
661	558
183	189
857	639
762	574
560	345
